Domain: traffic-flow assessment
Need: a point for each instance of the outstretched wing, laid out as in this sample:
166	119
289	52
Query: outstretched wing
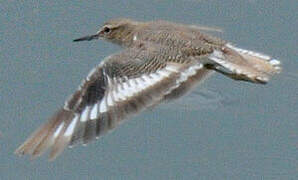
123	85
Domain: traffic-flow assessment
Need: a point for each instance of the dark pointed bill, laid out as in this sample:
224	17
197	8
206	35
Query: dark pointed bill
87	38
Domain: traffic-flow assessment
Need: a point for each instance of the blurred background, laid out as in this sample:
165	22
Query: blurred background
224	130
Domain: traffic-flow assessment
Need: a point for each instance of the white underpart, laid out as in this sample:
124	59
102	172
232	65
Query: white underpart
58	130
135	37
70	129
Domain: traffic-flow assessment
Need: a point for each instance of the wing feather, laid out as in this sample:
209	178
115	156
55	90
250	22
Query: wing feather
111	93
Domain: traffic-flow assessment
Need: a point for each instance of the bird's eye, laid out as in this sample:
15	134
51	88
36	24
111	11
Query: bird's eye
106	30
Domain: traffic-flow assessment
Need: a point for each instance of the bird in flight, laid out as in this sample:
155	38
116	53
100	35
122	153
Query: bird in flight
160	61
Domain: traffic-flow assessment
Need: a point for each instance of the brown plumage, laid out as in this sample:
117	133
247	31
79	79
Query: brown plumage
161	61
236	63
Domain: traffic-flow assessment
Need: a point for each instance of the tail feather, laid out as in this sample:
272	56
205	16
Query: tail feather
245	65
260	61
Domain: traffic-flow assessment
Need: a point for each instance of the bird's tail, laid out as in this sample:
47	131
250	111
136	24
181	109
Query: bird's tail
245	65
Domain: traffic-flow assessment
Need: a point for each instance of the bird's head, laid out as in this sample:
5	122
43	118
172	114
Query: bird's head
116	30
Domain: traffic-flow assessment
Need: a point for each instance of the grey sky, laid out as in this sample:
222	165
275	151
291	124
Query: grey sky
233	131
